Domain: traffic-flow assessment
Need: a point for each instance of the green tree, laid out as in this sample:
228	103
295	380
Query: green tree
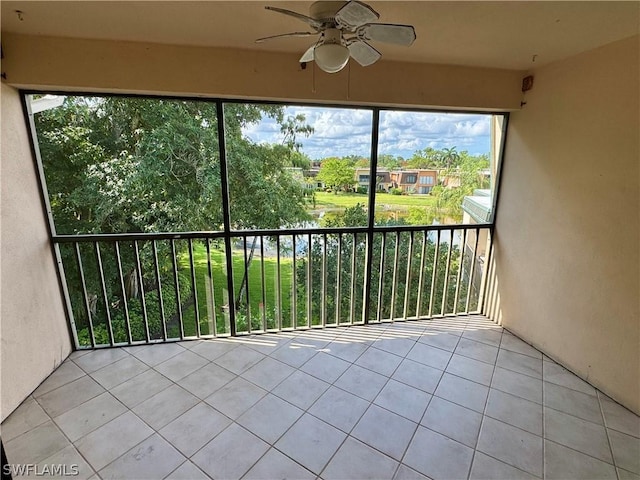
150	165
389	162
449	157
427	158
338	174
471	173
343	257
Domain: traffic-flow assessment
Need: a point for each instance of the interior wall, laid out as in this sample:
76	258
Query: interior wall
567	246
33	326
98	65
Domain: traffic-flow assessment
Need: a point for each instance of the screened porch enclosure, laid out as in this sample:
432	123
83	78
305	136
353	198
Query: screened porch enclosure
179	219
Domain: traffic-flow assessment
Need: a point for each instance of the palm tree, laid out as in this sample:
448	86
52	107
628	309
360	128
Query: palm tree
449	156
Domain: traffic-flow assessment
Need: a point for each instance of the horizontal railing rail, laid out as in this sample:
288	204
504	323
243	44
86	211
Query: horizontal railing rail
81	237
136	288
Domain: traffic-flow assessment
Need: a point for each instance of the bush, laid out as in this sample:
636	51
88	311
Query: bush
362	190
396	191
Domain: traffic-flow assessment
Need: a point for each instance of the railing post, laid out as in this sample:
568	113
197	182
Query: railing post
373	167
224	184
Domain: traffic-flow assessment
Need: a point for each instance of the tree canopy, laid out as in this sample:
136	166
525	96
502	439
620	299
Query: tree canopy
336	173
147	165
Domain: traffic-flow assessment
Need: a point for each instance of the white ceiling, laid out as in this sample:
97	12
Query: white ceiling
486	34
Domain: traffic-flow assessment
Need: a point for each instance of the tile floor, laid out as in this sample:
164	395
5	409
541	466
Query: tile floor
448	398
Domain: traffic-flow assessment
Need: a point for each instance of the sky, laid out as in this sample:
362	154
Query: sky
339	132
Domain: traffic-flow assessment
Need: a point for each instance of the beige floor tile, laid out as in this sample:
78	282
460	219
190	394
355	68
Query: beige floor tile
152	459
562	463
165	406
236	397
626	451
153	355
325	367
37	444
119	371
379	361
113	439
511	445
404	400
97	359
515	411
276	465
311	442
357	460
195	428
437	456
270	418
477	350
572	402
417	375
79	421
474	370
517	384
520	363
385	431
181	365
64	398
428	355
339	408
361	382
573	432
301	389
488	468
456	422
140	388
65	373
268	373
187	471
463	392
221	457
24	418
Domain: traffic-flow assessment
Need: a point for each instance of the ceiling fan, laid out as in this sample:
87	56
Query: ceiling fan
345	29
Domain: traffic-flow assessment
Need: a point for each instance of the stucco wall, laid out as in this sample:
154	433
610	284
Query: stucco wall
33	329
567	236
99	65
568	239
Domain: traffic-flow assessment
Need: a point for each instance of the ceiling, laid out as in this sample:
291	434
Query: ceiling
512	35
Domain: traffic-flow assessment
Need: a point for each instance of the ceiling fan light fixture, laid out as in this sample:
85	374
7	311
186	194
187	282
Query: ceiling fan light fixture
331	57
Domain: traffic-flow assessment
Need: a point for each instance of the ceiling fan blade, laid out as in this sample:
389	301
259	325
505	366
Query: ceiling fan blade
363	53
308	55
388	33
292	34
355	13
311	21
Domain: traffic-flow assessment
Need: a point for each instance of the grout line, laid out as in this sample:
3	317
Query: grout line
606	430
425	410
370	343
484	412
544	447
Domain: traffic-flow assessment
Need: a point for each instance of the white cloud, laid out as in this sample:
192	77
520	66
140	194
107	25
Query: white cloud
344	131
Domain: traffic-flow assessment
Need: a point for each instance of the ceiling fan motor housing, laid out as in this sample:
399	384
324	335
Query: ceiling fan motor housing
325	12
332	35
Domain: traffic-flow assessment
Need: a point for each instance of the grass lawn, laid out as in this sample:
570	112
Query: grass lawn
343	200
255	288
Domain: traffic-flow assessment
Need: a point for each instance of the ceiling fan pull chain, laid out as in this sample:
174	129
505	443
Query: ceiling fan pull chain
313	78
349	81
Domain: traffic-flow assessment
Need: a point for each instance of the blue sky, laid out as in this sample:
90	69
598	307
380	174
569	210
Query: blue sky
341	132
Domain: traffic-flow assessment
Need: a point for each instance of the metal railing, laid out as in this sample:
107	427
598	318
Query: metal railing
125	289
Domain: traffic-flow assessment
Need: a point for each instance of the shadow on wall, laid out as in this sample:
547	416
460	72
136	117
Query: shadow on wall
492	308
